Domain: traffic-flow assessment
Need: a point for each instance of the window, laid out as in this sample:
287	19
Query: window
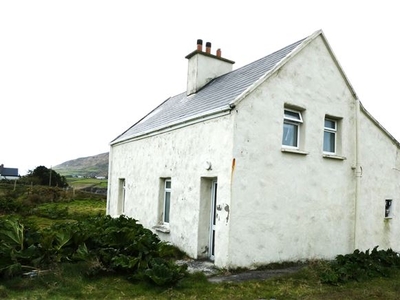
388	208
167	200
121	197
291	128
330	130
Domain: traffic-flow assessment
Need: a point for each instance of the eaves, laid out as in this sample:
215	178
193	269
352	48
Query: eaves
212	114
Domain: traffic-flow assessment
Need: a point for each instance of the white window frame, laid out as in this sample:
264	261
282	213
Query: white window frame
333	131
292	121
167	200
121	196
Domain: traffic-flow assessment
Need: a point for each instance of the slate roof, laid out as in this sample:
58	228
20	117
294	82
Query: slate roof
9	172
213	97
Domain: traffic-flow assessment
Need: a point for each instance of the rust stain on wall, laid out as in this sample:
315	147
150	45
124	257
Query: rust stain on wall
233	168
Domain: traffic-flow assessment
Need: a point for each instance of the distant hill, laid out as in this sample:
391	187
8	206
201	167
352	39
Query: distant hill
90	166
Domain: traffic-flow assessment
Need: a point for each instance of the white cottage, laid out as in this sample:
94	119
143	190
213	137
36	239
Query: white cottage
275	161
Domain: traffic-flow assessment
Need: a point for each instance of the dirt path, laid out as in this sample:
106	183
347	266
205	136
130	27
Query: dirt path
253	275
214	275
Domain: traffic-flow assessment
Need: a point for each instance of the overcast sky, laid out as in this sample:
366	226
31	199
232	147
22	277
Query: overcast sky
76	74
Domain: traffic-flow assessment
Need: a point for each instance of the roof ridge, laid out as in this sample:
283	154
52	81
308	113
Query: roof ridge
217	94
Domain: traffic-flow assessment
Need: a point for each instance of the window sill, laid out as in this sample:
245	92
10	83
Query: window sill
161	228
388	218
333	156
294	151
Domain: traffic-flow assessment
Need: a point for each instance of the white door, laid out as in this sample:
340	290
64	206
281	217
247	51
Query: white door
213	218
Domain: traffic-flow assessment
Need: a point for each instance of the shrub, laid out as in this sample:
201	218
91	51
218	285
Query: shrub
8	204
107	244
360	266
162	272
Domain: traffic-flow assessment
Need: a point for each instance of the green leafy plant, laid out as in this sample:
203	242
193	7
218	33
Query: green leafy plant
360	265
12	234
15	255
107	244
162	272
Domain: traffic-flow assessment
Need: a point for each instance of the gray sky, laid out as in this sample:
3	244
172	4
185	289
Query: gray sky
76	74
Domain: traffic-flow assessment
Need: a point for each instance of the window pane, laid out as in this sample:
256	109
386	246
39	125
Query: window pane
168	184
329	141
292	115
167	202
330	124
289	134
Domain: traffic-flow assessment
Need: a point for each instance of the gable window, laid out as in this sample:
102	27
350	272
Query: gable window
167	200
330	131
292	121
388	208
121	196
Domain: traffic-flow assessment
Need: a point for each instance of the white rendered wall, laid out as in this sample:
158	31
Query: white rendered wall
202	69
380	180
179	155
286	206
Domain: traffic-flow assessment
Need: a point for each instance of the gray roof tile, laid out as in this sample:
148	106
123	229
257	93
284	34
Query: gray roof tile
214	96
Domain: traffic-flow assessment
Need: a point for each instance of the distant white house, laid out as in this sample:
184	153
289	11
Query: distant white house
274	161
8	173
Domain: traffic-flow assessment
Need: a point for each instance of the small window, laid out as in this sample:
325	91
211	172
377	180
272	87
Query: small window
121	196
291	128
388	208
167	200
330	131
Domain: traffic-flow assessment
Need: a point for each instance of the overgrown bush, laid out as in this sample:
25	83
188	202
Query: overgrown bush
106	244
360	266
9	203
24	201
42	194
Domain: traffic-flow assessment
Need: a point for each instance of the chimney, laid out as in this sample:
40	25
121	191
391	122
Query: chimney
200	45
208	47
204	67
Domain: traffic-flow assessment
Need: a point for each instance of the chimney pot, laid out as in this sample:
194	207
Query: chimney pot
199	45
218	52
208	47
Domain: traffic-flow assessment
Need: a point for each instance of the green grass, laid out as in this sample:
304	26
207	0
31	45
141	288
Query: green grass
86	182
70	282
77	209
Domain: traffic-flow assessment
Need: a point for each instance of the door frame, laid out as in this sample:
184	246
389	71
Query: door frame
213	218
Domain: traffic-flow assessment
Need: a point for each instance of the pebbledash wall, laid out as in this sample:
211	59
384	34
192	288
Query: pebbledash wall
181	155
274	204
379	181
289	205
